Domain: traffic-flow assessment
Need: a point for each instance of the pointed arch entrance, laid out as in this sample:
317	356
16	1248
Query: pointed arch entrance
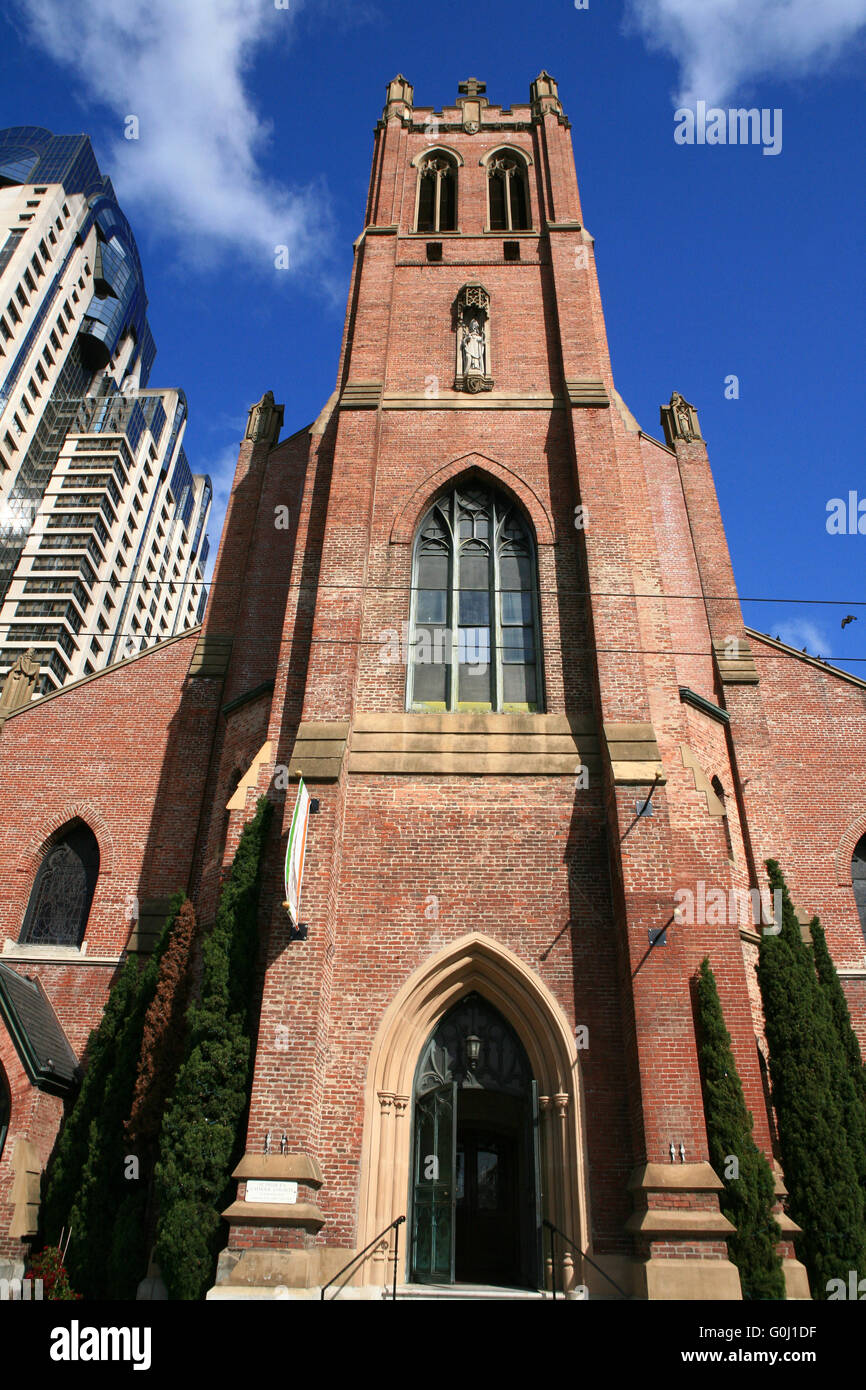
475	1212
475	968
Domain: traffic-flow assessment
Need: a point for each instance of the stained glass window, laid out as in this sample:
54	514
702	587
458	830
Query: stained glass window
474	642
63	891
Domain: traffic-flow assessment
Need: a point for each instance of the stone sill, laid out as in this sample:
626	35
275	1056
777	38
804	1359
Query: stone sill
468	745
464	400
469	236
53	955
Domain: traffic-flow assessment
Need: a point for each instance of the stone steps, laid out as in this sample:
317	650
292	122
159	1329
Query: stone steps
466	1292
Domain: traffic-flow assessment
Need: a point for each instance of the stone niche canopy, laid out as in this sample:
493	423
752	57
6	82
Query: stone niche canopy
680	421
473	371
265	420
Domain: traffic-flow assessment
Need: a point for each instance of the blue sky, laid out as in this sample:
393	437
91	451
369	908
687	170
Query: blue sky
255	130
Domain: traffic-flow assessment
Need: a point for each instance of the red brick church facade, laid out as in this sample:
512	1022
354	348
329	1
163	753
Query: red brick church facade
479	873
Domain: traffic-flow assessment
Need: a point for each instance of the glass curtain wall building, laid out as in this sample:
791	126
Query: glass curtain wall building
76	353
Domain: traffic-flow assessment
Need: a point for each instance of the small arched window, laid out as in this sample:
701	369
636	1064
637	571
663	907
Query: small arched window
63	890
508	194
5	1109
437	194
474	619
858	879
720	793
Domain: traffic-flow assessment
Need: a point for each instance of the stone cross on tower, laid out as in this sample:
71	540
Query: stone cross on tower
471	100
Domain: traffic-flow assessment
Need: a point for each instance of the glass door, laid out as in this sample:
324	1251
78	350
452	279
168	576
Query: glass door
433	1186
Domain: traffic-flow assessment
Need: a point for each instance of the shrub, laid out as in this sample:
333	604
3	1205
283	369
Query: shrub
748	1198
813	1096
203	1130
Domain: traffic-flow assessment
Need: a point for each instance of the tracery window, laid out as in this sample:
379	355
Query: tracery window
63	890
858	879
507	194
474	614
437	194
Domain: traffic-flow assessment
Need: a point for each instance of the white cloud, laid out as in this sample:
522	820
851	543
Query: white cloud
182	68
221	466
720	45
800	632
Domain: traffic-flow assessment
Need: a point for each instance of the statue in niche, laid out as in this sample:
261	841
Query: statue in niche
264	420
472	368
683	413
680	421
473	349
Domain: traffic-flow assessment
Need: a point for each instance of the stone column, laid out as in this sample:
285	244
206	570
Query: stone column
565	1214
549	1206
385	1179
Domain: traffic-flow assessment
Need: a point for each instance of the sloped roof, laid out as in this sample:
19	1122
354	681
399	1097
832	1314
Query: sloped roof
103	671
34	1028
815	661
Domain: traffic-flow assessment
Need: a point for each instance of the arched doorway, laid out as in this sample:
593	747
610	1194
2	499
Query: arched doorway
475	1198
474	964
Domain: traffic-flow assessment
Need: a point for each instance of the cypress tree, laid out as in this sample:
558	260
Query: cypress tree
63	1174
164	1031
855	1110
161	1048
748	1197
812	1096
838	1005
203	1129
88	1186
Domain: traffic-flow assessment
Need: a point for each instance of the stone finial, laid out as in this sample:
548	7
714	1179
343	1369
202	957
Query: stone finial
265	420
20	683
472	102
544	95
680	421
399	95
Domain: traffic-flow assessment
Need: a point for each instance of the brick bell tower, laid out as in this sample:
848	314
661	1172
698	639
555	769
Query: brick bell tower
498	676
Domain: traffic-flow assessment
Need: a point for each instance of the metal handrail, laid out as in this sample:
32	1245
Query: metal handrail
554	1230
392	1225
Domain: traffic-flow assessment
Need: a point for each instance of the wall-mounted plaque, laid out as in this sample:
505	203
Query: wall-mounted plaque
267	1190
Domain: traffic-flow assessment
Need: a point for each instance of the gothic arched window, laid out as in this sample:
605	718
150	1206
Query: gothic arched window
858	879
508	194
474	618
720	793
437	193
63	890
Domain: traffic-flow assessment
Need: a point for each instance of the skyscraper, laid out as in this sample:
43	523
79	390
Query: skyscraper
77	547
